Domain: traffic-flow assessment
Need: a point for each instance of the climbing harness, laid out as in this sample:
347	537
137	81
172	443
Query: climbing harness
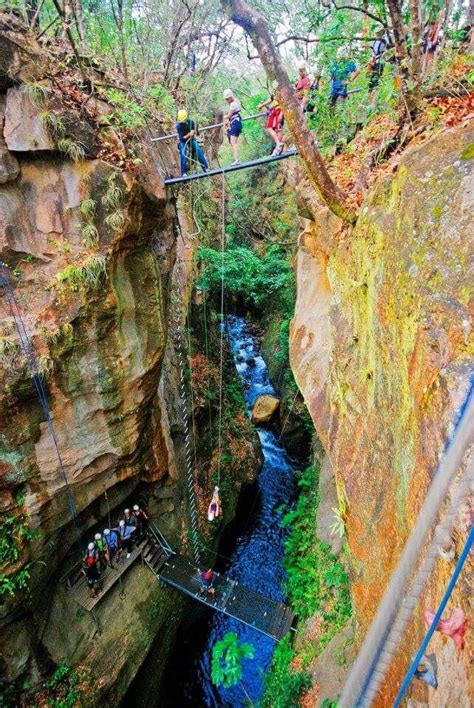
401	596
28	351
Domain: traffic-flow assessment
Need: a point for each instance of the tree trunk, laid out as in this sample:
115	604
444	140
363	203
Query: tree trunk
411	94
79	18
416	32
255	25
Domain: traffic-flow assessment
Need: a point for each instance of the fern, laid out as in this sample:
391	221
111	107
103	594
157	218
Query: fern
116	220
88	207
53	124
90	234
71	149
113	196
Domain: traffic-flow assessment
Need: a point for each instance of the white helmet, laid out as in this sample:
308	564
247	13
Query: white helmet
121	522
136	507
106	532
301	64
91	546
127	511
228	93
97	537
342	52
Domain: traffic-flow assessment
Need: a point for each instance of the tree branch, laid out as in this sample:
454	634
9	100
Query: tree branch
256	27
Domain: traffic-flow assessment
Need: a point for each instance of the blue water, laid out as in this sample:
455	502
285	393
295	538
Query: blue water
256	560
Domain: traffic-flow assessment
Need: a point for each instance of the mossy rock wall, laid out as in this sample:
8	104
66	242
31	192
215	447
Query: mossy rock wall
381	347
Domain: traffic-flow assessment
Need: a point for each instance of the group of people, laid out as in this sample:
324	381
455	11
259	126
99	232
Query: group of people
110	546
342	71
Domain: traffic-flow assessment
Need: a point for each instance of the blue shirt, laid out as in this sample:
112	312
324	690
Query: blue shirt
340	72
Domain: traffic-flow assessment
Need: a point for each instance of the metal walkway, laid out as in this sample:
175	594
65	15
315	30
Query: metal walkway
231	168
267	616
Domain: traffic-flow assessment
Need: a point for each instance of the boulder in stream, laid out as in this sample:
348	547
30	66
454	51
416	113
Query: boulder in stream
264	409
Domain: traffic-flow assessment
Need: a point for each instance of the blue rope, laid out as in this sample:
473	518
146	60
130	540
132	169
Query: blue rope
457	570
378	651
27	348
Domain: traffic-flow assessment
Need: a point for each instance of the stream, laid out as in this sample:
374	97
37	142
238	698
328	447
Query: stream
250	552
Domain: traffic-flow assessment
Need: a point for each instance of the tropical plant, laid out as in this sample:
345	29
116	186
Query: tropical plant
227	658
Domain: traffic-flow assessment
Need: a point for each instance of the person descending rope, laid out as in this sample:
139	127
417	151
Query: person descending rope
275	120
233	122
188	146
142	520
214	510
343	70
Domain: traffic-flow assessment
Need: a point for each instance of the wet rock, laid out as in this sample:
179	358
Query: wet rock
240	358
264	409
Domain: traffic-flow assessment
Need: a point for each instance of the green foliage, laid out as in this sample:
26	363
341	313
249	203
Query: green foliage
317	582
11	584
256	281
62	688
73	150
53	124
227	657
89	274
88	207
284	685
338	527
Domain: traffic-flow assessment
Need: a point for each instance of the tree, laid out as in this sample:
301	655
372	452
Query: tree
227	657
253	23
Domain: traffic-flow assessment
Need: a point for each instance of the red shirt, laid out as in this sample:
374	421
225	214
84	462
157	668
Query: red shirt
303	84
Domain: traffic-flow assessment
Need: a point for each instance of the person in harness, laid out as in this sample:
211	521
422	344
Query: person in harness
101	548
376	63
142	520
233	123
206	579
303	85
125	533
130	517
188	146
214	510
274	125
111	539
91	570
343	70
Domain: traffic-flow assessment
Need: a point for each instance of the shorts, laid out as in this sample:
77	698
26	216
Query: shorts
275	119
235	129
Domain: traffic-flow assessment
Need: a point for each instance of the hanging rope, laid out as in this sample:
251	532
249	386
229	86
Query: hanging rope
221	339
28	351
449	590
399	600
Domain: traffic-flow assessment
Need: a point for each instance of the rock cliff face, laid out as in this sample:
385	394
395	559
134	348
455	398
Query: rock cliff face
381	348
90	246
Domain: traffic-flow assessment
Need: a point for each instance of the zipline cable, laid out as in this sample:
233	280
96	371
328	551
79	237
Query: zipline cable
442	605
28	351
375	655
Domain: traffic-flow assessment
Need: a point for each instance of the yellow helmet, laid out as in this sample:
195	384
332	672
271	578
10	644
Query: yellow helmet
182	115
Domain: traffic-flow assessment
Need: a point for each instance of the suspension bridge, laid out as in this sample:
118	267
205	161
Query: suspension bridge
265	615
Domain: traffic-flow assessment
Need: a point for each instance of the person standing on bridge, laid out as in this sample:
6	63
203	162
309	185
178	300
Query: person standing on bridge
303	85
233	123
90	569
111	539
126	536
142	520
275	122
188	146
